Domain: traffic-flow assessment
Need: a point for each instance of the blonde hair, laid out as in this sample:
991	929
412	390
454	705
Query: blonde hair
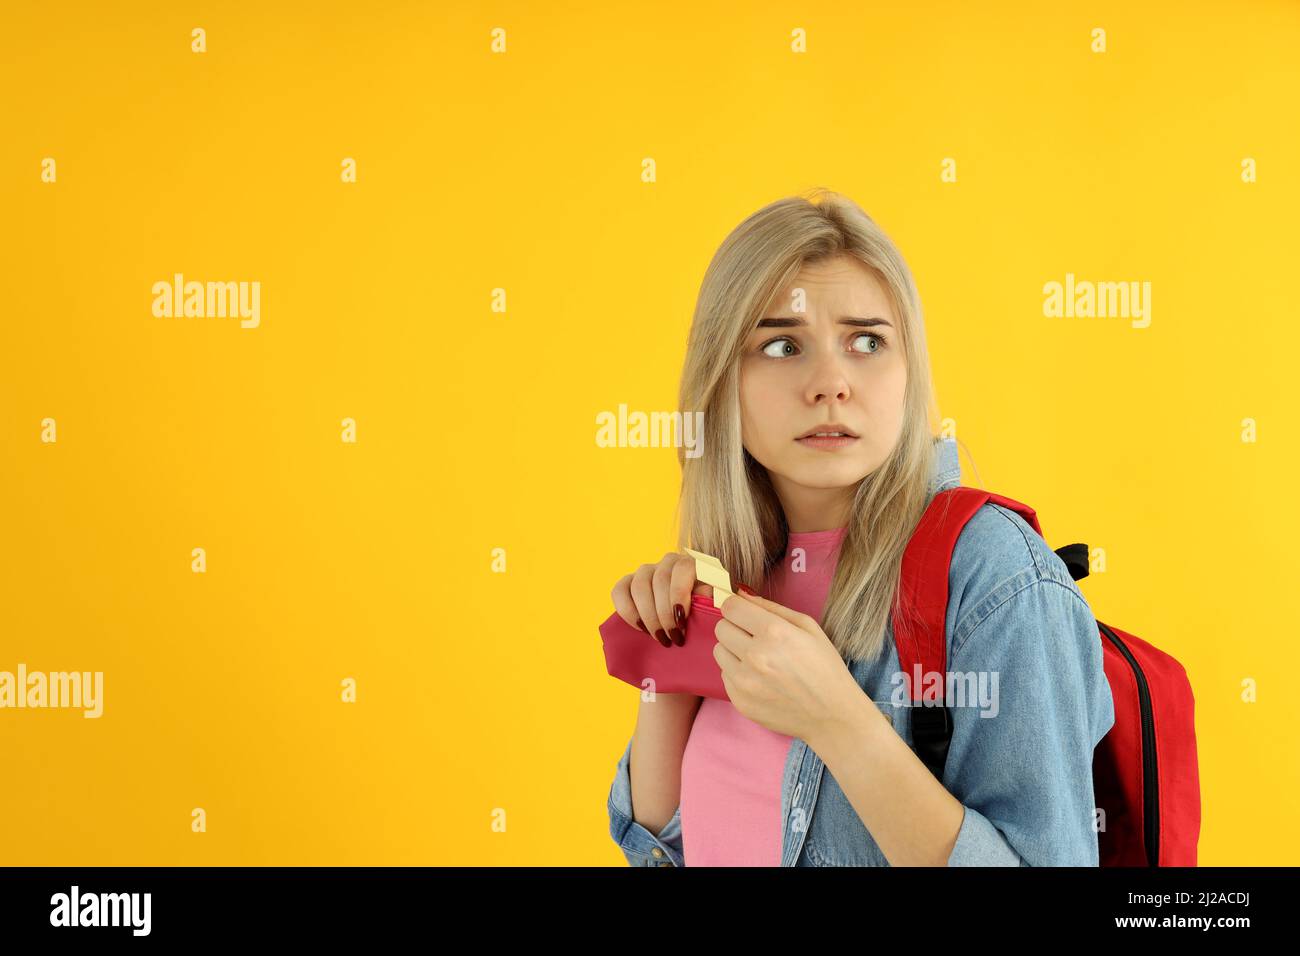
728	507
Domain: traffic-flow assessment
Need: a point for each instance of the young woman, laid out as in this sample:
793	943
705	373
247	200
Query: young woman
807	355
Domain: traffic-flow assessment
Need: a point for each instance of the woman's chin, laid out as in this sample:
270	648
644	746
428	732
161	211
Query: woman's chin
839	474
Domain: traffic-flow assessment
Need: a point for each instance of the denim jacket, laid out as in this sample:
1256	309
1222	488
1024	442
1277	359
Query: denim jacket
1021	767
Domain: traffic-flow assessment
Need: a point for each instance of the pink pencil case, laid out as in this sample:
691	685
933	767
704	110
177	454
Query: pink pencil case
632	655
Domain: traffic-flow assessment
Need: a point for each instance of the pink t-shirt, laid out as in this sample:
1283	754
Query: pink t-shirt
732	766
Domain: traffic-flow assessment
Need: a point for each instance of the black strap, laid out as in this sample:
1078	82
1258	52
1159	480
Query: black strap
1075	557
931	731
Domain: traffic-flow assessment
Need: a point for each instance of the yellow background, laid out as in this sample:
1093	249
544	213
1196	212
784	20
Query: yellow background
479	690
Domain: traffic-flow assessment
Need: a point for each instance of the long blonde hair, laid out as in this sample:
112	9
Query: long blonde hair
728	507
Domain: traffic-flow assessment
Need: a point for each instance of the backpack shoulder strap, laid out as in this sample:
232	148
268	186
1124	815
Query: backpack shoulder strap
921	606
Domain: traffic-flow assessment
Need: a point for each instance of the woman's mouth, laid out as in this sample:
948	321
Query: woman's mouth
827	440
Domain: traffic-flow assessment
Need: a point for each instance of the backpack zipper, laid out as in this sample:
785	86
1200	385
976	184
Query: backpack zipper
1150	780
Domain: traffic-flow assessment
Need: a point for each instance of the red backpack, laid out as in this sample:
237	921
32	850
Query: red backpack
1144	770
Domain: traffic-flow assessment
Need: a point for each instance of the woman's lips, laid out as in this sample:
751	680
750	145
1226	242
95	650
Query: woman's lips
826	442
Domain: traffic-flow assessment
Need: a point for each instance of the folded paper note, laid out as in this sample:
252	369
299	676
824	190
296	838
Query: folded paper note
709	570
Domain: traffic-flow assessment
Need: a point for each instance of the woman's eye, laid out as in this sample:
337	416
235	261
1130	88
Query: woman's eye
870	335
776	348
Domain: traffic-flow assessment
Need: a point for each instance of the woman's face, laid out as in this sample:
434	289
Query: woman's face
829	356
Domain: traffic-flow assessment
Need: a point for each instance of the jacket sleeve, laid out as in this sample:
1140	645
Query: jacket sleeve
1021	761
639	845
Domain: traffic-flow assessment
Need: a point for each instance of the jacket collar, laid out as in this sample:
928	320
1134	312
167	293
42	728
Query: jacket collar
945	470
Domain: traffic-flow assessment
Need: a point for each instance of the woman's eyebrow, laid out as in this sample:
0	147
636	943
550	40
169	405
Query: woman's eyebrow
784	322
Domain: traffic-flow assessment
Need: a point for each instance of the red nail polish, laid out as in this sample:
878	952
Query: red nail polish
745	589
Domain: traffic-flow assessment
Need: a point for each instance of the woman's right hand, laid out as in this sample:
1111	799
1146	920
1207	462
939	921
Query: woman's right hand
657	597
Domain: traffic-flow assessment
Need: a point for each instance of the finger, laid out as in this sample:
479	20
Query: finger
735	639
755	614
727	662
663	579
679	592
623	603
644	598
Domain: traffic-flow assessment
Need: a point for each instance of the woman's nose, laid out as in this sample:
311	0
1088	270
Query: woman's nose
828	380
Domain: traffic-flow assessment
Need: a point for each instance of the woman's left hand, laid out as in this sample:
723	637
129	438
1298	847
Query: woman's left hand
781	670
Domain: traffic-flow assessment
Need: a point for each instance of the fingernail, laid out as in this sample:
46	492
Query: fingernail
745	589
680	614
662	638
678	637
642	626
